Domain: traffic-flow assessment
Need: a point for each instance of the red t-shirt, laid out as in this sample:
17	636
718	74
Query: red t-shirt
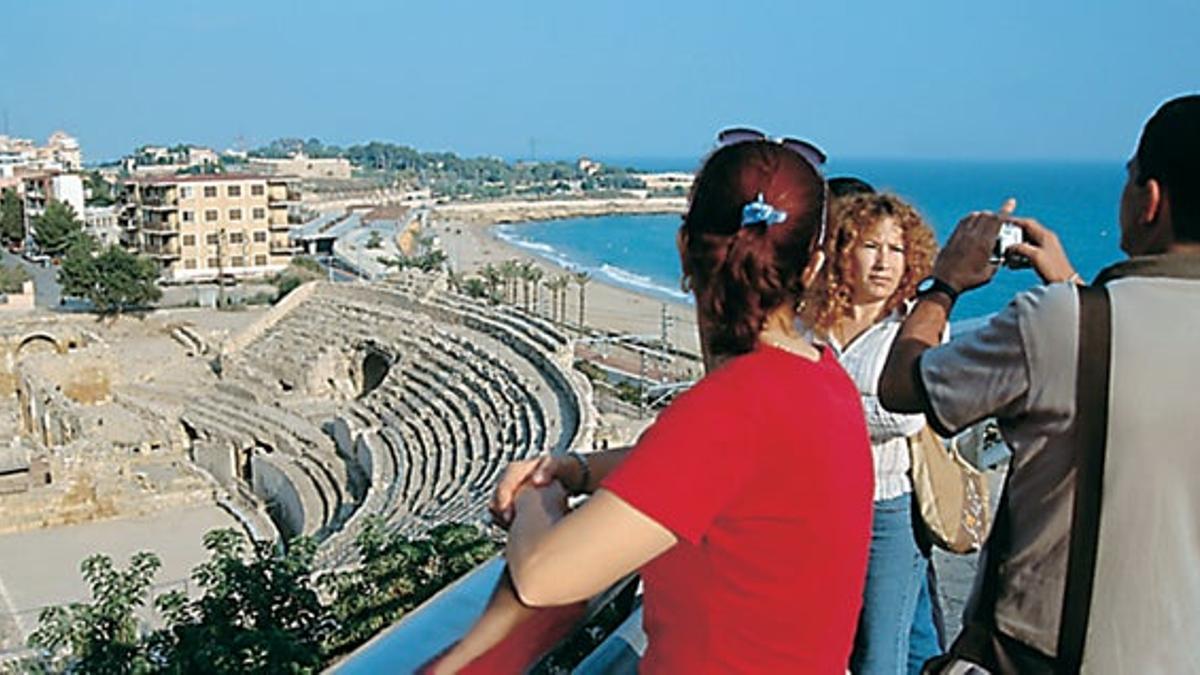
763	471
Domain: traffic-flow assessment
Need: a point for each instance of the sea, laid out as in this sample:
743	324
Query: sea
1078	201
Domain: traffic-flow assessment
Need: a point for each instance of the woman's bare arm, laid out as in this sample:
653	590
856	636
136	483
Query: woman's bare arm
555	562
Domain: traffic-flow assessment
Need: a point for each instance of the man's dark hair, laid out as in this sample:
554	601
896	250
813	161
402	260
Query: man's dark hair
1169	152
844	186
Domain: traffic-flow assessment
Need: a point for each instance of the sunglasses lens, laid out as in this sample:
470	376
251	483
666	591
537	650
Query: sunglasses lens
807	150
739	135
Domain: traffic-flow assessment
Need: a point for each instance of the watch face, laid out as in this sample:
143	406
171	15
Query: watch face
925	285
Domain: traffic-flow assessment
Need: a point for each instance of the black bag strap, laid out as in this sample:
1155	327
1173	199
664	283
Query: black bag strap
1091	430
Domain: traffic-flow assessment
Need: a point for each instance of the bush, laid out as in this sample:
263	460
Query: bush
12	278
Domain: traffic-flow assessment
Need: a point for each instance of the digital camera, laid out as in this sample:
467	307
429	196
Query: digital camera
1010	235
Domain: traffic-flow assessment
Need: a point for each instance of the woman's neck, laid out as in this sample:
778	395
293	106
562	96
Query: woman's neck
862	317
779	330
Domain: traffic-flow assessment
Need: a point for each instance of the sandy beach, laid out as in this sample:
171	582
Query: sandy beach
466	235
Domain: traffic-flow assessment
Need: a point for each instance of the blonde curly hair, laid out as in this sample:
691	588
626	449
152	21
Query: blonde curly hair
829	299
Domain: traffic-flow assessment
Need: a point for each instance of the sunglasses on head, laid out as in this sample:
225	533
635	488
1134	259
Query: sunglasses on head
811	154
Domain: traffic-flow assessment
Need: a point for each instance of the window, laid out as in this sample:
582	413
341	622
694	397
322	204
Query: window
187	216
210	190
238	261
237	237
211	214
256	190
233	191
185	192
260	260
260	236
213	263
259	213
189	264
189	240
235	214
212	238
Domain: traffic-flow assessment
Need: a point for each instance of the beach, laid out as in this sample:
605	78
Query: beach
465	232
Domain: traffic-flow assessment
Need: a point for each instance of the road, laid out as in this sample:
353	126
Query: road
45	279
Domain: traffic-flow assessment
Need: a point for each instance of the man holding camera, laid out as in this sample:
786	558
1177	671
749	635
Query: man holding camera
1093	559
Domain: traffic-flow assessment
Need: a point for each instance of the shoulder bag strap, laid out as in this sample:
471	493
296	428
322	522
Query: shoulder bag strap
1091	430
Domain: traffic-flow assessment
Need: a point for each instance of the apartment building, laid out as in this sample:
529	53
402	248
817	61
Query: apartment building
203	227
39	189
60	153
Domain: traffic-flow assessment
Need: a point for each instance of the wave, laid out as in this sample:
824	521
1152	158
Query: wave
546	251
612	273
624	277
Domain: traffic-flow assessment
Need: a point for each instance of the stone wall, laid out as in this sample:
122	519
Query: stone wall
18	302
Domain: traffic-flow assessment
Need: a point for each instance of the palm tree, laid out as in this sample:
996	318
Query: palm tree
535	278
582	278
492	278
508	272
564	280
525	273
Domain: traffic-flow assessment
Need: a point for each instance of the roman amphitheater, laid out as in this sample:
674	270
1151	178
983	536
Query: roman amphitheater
399	398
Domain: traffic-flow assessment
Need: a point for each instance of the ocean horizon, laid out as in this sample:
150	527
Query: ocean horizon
1077	200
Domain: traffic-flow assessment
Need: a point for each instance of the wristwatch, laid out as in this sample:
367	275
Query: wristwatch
930	285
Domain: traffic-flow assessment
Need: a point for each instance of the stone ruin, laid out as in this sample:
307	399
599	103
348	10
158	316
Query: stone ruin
398	399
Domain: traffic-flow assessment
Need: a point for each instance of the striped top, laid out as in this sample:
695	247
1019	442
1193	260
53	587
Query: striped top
863	360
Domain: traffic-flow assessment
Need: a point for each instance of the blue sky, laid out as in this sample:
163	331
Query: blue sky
935	79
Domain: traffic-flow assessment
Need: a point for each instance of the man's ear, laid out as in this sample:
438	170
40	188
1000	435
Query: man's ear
812	269
1151	207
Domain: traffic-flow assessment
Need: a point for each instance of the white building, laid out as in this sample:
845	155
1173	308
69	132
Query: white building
101	223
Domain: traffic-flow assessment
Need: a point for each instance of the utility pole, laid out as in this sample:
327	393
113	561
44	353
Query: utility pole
642	382
220	267
667	321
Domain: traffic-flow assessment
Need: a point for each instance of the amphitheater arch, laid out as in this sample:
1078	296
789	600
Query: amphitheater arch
36	342
375	368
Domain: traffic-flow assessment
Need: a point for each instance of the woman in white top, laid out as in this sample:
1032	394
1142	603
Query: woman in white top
882	250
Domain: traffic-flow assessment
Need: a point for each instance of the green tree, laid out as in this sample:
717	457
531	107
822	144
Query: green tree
99	191
113	280
396	575
476	287
102	636
535	279
12	277
12	225
57	228
582	279
494	279
259	612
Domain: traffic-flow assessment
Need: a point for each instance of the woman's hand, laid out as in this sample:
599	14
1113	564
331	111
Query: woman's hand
537	472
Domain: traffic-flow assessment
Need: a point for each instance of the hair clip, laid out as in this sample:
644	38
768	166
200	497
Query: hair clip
760	211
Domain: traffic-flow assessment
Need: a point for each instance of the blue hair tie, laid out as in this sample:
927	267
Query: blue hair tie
760	211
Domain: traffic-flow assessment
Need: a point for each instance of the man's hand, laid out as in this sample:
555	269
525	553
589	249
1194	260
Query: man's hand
965	262
1044	250
538	472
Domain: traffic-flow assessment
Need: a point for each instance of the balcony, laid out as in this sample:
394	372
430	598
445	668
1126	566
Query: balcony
280	197
163	251
160	203
161	227
283	248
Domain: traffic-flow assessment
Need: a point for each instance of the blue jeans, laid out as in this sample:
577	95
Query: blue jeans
896	629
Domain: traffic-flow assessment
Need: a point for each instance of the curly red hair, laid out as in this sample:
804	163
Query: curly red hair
828	301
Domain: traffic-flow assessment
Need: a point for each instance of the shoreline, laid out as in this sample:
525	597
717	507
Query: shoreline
471	242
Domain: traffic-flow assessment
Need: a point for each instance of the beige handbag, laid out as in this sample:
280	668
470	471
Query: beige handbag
951	494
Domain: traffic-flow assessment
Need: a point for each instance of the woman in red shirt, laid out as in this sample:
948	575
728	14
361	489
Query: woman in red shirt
747	504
